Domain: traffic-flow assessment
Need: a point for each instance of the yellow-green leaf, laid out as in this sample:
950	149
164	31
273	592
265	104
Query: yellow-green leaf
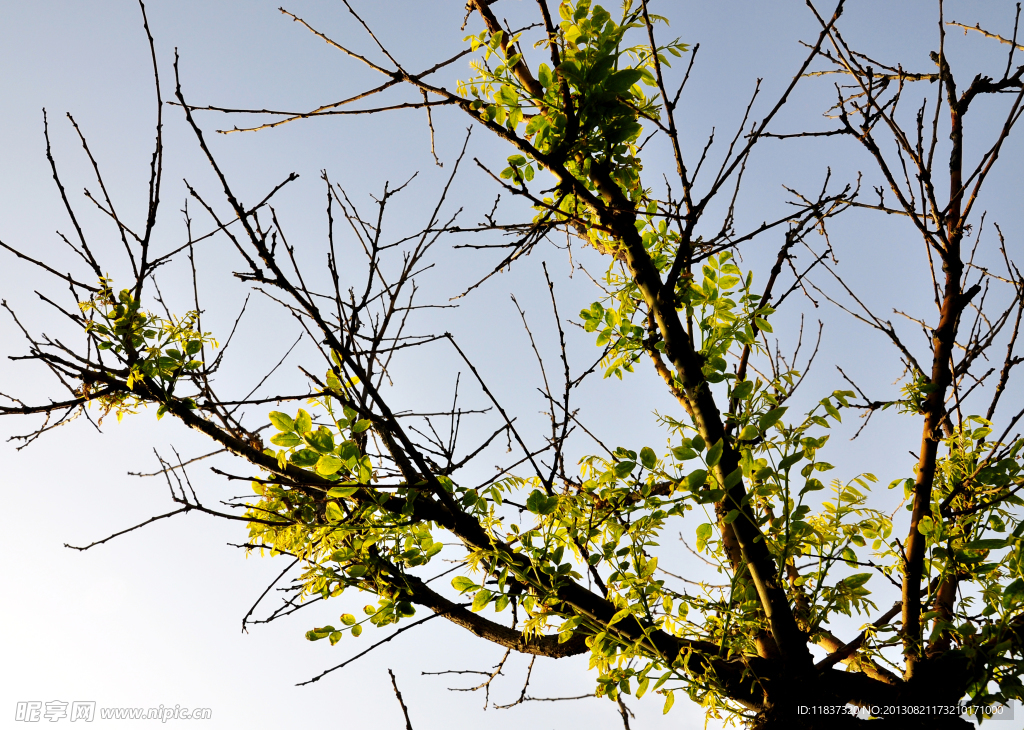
670	699
328	464
481	599
281	421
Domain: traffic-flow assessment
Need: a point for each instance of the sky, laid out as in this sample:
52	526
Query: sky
154	617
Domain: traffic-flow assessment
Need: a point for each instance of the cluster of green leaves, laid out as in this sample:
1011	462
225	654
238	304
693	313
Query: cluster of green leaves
591	109
725	311
719	302
566	535
974	532
607	526
623	339
612	522
616	317
318	450
348	622
591	115
345	540
152	347
770	452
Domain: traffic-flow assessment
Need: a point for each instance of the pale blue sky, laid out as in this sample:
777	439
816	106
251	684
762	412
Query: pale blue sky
154	617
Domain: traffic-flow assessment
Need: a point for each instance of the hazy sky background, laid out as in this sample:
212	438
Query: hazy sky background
153	617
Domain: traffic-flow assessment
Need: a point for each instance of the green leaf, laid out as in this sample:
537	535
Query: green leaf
305	458
926	526
507	95
789	460
286	440
620	81
731	516
696	479
342	491
365	470
536	501
282	421
749	433
320	633
683	453
648	458
742	390
812	485
321	440
1013	593
536	124
985	545
856	580
670	700
357	630
328	464
770	418
462	584
303	422
544	75
704	532
481	599
360	425
335	637
347	619
714	454
348	451
619	615
624	468
334	513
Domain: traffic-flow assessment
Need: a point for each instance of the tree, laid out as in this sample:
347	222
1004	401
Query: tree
359	500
